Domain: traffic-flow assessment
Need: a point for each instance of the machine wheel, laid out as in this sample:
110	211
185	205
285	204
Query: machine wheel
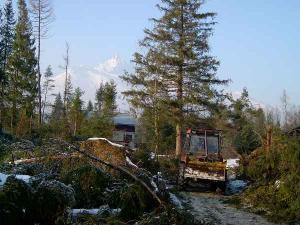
222	186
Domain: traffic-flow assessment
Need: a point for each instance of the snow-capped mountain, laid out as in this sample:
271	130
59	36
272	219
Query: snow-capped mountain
89	78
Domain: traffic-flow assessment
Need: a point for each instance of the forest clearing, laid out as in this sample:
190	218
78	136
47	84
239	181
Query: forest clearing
197	122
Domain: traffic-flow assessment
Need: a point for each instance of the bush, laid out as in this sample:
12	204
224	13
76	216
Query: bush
277	181
143	159
52	199
16	202
134	201
169	215
21	204
89	184
247	140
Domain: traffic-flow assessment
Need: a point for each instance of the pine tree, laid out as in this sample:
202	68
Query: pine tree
76	110
22	69
7	23
57	114
90	107
109	98
177	56
99	98
106	97
48	86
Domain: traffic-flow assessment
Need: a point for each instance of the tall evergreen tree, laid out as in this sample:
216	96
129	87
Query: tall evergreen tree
48	86
109	98
57	115
106	97
76	111
99	98
90	107
177	53
22	68
7	25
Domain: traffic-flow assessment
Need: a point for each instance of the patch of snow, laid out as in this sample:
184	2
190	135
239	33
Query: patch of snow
175	201
25	178
130	163
24	161
232	163
3	178
152	156
236	186
154	185
104	139
277	184
102	209
75	212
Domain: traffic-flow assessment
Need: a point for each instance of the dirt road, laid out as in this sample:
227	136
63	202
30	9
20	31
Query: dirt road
210	209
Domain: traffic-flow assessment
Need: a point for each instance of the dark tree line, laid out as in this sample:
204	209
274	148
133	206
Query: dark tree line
25	95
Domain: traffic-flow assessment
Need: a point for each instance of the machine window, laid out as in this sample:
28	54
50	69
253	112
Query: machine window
212	144
197	144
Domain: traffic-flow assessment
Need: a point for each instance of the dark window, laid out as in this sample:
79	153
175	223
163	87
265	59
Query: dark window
212	144
197	144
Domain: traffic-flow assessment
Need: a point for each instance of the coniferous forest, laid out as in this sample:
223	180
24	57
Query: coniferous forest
60	162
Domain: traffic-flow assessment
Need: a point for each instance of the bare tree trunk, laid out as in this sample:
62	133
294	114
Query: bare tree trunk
179	112
178	139
39	72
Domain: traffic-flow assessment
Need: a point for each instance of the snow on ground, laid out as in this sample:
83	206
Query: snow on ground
232	163
154	185
236	186
211	209
175	201
24	161
102	209
130	163
104	139
3	178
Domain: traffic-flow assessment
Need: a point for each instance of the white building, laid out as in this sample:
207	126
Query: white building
124	132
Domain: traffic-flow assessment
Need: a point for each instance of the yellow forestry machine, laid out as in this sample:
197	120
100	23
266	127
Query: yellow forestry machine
201	159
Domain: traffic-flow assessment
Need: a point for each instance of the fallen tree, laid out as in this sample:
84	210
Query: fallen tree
118	168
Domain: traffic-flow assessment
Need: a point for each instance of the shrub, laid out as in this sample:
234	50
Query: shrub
134	201
89	184
16	202
277	181
247	140
52	199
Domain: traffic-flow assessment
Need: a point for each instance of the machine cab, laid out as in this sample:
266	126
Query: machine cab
204	144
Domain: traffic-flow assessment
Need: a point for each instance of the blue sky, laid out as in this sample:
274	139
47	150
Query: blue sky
256	41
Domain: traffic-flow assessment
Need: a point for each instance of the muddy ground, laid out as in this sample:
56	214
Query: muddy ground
210	209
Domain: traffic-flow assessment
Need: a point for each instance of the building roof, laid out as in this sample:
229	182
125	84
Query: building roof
124	119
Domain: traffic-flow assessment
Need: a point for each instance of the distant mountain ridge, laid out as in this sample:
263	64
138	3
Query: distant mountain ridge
89	78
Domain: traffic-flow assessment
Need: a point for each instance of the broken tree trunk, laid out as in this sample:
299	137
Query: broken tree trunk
120	169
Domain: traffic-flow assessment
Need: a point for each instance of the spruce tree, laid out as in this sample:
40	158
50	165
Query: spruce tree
176	55
90	107
48	86
57	115
7	25
22	69
99	98
76	111
109	98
